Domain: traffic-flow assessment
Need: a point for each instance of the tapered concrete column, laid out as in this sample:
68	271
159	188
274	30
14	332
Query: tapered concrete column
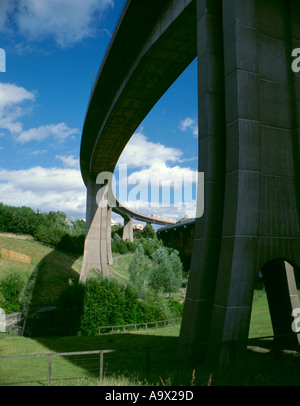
108	239
95	247
256	217
282	296
128	229
261	214
206	245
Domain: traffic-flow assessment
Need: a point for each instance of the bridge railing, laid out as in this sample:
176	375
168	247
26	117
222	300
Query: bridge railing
127	327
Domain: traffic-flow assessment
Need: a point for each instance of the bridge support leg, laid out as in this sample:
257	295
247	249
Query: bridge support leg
281	288
108	239
95	247
207	234
259	220
128	230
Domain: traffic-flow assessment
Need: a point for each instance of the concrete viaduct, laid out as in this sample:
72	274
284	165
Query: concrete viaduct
249	135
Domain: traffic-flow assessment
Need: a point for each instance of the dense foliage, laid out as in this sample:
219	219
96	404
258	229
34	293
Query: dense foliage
11	288
159	272
53	228
83	308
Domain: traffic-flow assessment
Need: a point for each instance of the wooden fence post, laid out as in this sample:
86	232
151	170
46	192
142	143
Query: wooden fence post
147	362
49	369
101	368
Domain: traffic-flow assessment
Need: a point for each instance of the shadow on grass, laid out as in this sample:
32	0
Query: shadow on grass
44	290
138	357
142	359
147	360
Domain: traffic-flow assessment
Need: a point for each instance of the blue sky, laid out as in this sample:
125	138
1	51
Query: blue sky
51	48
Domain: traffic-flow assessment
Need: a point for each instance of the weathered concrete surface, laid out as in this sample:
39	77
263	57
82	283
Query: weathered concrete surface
261	195
128	229
95	247
208	228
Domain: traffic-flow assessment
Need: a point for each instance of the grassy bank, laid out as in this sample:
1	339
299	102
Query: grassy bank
146	358
142	357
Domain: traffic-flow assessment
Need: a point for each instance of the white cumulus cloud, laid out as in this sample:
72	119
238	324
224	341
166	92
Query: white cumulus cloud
44	189
69	161
151	180
66	21
60	132
140	153
189	124
12	99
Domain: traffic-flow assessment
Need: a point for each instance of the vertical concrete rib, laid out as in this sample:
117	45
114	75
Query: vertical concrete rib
108	239
237	262
205	254
95	247
260	211
128	229
282	295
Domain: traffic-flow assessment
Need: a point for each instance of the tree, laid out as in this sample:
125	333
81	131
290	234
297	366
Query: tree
177	267
166	275
103	305
139	269
150	245
148	231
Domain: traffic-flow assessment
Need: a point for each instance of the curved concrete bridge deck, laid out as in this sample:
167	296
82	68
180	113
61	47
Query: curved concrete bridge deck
153	43
249	128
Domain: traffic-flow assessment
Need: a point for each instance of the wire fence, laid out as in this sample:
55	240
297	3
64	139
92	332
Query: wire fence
128	327
85	368
54	367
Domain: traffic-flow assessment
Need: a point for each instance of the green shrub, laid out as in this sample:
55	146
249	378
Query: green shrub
176	308
150	245
72	243
106	304
69	310
153	308
11	287
102	302
119	247
117	231
166	275
139	269
148	232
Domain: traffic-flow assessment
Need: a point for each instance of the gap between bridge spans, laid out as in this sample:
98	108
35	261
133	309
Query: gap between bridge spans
154	192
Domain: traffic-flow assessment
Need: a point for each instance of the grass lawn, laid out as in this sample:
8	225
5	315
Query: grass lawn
119	269
141	357
56	268
146	358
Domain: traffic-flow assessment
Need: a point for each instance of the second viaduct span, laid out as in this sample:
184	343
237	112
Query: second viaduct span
249	112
